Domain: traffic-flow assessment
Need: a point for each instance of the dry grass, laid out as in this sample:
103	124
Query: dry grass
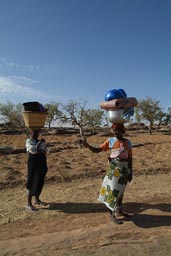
71	189
67	161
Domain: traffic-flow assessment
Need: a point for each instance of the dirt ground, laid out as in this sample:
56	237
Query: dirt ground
73	222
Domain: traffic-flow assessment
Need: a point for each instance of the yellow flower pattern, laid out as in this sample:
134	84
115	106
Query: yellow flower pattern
103	191
116	172
114	183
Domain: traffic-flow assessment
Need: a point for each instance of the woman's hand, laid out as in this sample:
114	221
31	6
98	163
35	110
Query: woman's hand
130	177
41	147
85	143
93	149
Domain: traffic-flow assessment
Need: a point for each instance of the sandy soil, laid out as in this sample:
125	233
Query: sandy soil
73	222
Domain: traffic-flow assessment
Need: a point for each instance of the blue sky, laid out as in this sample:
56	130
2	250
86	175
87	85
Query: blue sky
62	50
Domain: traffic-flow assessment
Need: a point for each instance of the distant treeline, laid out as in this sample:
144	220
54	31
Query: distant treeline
148	115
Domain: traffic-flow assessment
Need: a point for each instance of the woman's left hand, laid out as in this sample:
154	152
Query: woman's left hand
85	143
129	177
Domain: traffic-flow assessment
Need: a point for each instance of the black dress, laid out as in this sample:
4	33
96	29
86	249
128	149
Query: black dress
37	169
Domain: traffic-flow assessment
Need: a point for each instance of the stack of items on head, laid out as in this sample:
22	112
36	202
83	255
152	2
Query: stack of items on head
34	115
118	106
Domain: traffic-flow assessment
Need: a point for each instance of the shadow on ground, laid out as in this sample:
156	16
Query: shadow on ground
139	218
149	220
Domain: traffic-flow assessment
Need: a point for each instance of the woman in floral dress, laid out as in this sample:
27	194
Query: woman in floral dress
119	171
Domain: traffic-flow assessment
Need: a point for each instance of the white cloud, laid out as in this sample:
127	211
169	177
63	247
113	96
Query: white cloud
21	88
14	89
9	65
22	79
11	87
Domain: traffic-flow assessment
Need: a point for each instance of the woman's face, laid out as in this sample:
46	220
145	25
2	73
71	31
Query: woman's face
35	134
117	133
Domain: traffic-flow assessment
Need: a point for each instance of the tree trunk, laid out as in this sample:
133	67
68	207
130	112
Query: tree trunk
150	128
81	131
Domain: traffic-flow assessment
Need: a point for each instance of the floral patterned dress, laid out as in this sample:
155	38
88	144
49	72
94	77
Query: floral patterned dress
116	178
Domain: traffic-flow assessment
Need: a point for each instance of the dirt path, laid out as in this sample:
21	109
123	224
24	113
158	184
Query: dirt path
95	241
75	224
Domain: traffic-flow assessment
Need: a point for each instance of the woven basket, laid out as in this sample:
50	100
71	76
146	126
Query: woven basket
34	120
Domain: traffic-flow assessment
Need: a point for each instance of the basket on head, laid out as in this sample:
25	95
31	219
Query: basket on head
34	120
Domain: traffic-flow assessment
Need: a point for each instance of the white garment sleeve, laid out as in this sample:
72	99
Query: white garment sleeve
31	146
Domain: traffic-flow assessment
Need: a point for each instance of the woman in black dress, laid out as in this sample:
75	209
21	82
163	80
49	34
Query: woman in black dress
37	168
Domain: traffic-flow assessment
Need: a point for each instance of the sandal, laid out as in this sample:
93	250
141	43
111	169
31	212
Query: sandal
31	208
38	203
115	220
123	214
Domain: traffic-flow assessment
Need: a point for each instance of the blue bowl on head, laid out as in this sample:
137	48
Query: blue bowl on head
122	93
115	94
112	94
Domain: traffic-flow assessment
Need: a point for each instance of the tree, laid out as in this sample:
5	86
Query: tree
149	109
167	120
54	113
105	117
93	117
138	117
161	116
12	113
74	114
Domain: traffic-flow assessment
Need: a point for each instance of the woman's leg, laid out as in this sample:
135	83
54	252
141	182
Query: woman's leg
119	204
40	178
29	198
119	210
38	201
114	218
29	202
